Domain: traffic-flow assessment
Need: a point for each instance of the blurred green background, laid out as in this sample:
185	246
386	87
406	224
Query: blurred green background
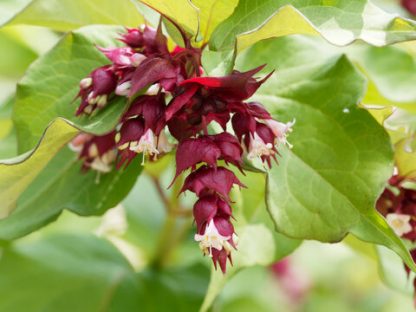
75	263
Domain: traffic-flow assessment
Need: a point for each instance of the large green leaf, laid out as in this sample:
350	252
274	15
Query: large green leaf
392	75
393	71
199	17
16	55
65	15
48	89
339	22
252	206
211	13
62	185
64	273
17	173
85	273
327	185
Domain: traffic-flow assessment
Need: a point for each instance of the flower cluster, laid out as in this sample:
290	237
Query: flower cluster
397	204
169	94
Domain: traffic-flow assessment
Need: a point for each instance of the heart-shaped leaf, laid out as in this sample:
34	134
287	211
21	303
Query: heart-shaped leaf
327	185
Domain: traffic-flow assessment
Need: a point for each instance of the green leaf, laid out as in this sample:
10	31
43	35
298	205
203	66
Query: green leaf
339	22
8	8
85	273
182	289
62	185
67	273
405	157
392	271
17	173
327	185
8	144
211	13
48	89
391	72
181	11
218	63
66	15
18	56
253	207
198	17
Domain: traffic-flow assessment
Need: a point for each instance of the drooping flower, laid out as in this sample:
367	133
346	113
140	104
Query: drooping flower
217	241
146	145
211	238
209	206
280	130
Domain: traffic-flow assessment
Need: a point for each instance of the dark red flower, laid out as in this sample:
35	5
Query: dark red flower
96	152
96	89
237	86
208	149
147	40
190	152
220	257
152	110
206	180
410	5
153	70
231	150
209	206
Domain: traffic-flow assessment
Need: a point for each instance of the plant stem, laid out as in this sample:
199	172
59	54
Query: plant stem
172	205
171	235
